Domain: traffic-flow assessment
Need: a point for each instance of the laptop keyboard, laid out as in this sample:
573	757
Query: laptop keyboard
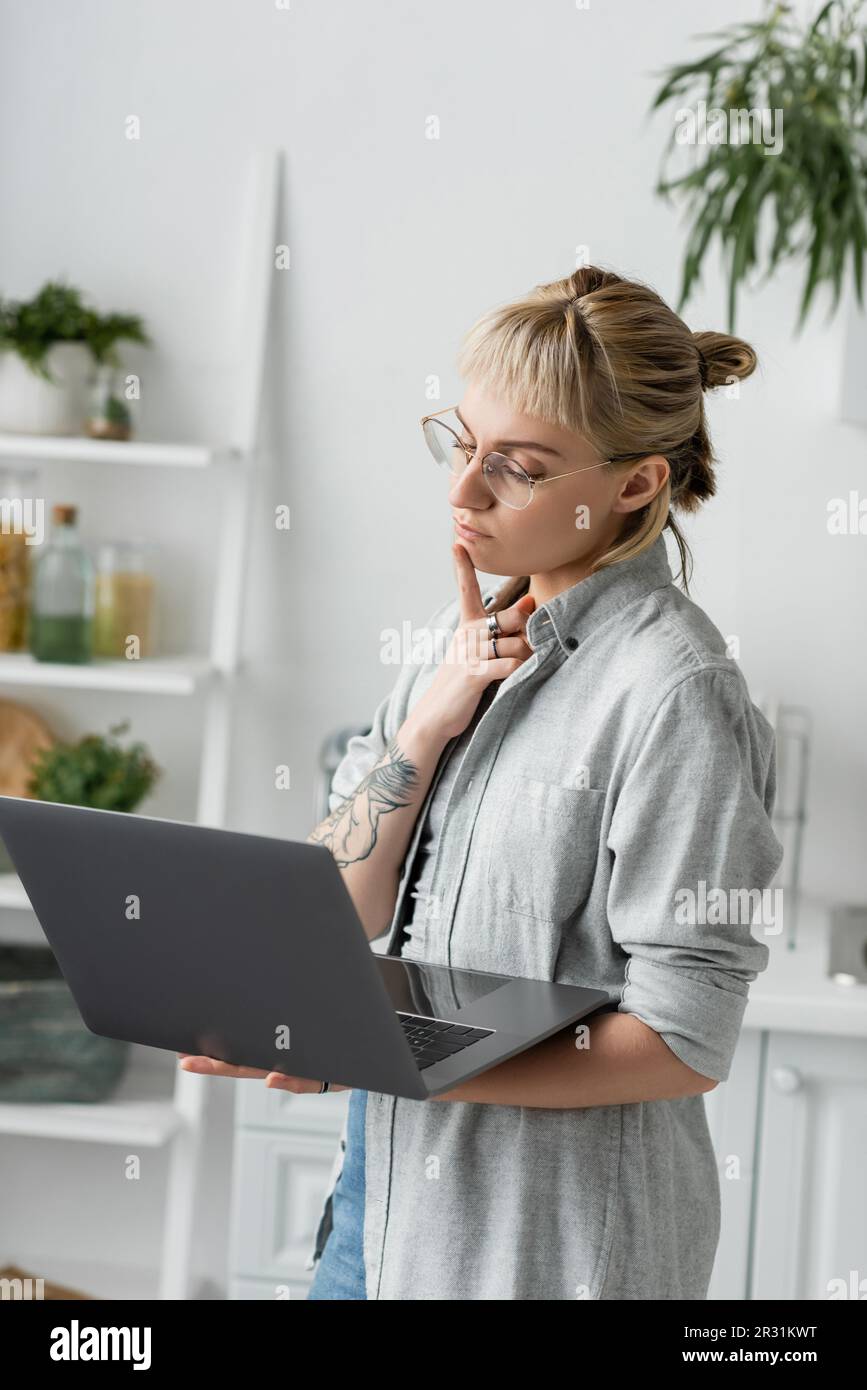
433	1039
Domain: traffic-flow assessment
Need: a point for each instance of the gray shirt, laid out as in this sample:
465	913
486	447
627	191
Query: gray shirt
620	773
411	941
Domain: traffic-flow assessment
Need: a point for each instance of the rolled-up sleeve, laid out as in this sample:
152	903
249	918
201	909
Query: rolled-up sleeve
692	817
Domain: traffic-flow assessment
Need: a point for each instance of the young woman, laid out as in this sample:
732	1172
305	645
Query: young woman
556	797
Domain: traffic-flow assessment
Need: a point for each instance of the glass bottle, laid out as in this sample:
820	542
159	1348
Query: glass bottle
124	602
20	521
61	619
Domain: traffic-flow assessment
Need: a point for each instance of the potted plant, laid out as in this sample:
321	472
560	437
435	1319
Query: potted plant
811	83
49	347
46	1051
97	771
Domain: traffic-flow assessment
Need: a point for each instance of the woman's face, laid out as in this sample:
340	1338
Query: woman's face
569	520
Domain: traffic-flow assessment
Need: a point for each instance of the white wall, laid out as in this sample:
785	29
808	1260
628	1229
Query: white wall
397	244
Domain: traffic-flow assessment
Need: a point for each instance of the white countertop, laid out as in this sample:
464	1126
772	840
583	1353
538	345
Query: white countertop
796	993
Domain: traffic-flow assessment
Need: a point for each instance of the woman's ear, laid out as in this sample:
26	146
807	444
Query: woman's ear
641	485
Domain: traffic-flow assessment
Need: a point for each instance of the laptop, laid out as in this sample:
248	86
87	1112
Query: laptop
248	948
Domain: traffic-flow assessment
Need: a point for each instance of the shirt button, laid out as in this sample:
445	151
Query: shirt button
571	643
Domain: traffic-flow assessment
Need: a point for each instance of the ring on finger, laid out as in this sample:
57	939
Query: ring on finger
494	646
493	626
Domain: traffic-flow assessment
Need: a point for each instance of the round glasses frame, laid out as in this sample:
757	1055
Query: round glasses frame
532	483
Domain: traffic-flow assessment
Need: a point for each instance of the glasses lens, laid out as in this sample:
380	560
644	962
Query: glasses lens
444	446
507	481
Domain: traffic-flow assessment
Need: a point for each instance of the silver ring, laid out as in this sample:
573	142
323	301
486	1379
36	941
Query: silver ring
494	646
493	626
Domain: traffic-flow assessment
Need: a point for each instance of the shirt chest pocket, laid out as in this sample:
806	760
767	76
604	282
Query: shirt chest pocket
544	848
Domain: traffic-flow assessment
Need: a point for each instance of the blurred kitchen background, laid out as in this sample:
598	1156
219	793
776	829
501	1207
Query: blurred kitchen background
246	240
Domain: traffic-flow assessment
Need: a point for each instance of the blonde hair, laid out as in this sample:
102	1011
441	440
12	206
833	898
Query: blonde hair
608	358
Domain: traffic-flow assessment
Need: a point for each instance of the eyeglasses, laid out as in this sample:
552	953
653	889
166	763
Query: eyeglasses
507	480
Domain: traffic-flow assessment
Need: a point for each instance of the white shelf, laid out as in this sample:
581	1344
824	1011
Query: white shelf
153	675
157	1109
141	1112
76	449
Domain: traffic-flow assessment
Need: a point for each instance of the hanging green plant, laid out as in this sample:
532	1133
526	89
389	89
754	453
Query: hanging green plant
806	88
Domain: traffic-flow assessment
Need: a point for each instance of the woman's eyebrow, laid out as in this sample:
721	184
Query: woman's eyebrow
516	443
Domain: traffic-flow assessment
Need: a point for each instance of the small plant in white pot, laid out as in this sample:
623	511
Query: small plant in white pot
49	348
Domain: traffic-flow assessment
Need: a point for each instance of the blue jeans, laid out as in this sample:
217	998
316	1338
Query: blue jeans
340	1269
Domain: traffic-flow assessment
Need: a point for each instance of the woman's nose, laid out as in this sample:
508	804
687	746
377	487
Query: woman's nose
469	488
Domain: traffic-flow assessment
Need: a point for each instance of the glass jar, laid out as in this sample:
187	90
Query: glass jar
61	618
21	515
124	608
109	416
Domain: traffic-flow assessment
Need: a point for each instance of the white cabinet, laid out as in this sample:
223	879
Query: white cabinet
789	1128
811	1197
286	1147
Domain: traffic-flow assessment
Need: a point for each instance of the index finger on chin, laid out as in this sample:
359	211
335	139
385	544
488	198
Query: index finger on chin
472	605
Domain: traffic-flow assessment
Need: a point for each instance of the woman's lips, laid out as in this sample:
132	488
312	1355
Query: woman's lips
468	535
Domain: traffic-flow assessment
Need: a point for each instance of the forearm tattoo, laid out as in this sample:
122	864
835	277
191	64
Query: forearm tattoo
350	831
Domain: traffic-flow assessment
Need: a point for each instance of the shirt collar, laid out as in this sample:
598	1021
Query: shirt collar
575	612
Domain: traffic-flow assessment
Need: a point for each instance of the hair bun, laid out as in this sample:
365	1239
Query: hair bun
587	279
723	357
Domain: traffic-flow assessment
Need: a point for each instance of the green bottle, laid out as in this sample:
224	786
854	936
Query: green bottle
61	617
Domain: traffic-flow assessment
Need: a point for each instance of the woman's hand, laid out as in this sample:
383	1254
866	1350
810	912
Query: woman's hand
469	664
275	1080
